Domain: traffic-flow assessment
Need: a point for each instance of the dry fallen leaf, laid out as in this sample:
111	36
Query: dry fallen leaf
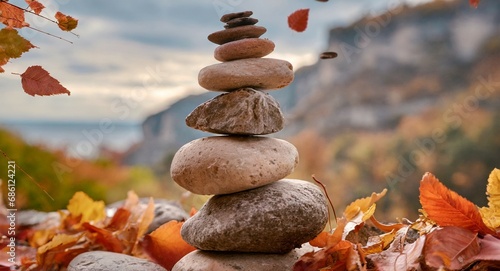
447	208
37	81
451	247
165	245
85	208
491	214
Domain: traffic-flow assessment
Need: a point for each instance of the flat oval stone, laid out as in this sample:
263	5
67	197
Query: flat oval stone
245	48
258	73
105	261
236	33
240	22
275	218
199	260
228	164
227	17
241	112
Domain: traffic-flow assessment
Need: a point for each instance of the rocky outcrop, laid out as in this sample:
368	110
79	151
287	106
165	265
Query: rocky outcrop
388	66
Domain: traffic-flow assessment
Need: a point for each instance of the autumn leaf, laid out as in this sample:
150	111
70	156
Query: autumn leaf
37	81
57	251
451	247
36	6
447	208
474	3
377	244
165	245
362	205
400	256
491	214
12	45
298	20
65	22
105	238
11	15
84	207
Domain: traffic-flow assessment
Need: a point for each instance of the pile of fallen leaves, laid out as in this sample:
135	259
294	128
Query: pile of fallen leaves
451	234
84	226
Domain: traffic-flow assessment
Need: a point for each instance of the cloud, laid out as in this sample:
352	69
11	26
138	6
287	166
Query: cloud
151	48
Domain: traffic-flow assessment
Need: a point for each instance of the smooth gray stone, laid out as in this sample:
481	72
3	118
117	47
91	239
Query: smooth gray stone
275	218
107	261
232	261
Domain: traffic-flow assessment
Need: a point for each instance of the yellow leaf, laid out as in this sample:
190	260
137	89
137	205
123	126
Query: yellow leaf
491	214
58	245
362	205
377	244
81	205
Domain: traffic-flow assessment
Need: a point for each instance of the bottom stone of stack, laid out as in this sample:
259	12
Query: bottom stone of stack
232	261
274	218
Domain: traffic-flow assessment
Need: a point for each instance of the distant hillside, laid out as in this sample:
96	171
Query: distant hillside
400	63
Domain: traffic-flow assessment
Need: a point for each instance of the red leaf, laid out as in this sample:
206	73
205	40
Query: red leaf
451	247
11	15
298	20
37	81
65	22
447	208
474	3
35	6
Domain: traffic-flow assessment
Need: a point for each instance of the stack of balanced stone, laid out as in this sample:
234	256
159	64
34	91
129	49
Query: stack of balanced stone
254	210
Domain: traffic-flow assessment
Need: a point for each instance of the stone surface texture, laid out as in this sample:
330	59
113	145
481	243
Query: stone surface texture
106	261
275	218
216	261
245	48
240	22
240	112
229	164
258	73
236	33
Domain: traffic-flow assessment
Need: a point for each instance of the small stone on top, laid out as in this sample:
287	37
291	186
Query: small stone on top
227	17
240	21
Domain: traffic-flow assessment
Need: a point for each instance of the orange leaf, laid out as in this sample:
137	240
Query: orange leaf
65	22
12	45
333	258
105	238
35	6
165	245
37	81
11	15
447	208
474	3
298	20
451	247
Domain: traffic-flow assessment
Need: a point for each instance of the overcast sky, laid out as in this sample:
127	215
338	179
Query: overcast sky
134	58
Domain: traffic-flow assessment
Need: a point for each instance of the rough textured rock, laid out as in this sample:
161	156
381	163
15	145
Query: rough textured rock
271	219
165	210
258	73
216	261
245	48
228	164
243	112
236	33
227	17
106	261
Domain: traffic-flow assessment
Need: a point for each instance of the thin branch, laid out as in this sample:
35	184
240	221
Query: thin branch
329	200
44	17
29	176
